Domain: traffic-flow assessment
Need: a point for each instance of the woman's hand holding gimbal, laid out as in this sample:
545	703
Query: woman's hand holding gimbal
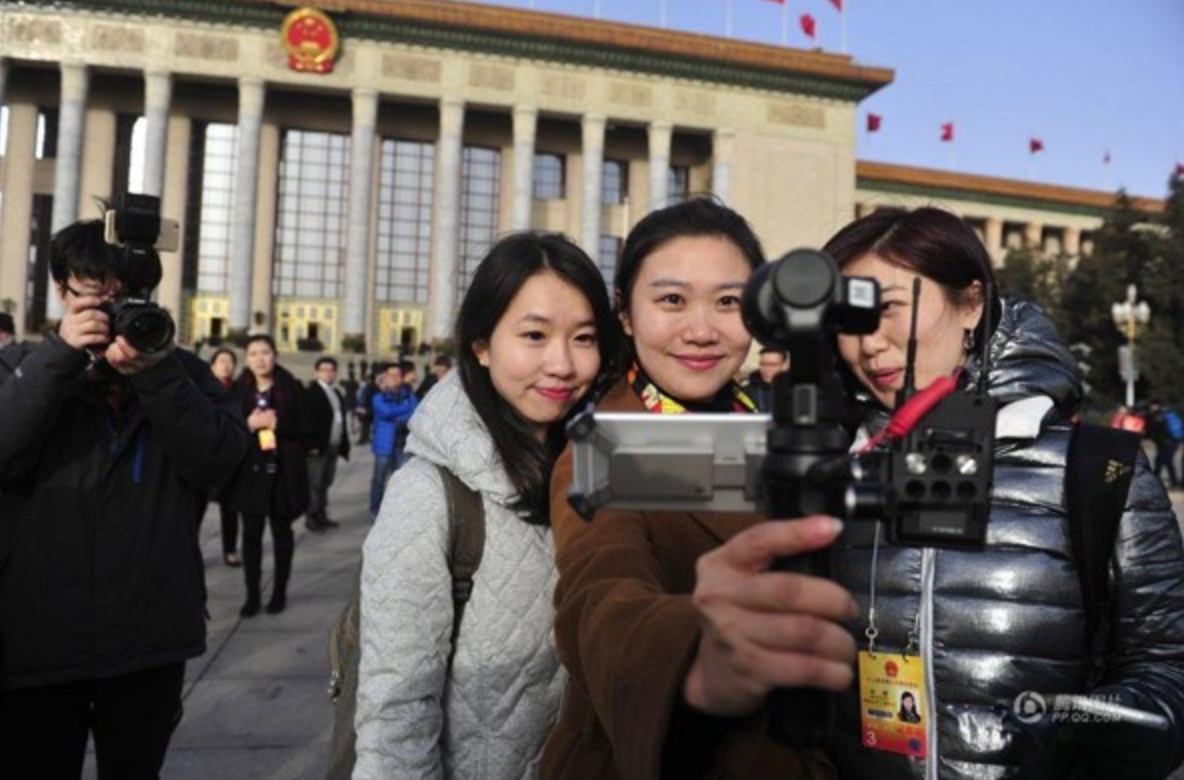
765	629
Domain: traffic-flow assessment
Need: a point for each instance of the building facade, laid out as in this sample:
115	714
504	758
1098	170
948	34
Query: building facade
351	205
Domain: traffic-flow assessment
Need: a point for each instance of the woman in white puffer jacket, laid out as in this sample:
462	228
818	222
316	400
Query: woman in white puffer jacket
532	335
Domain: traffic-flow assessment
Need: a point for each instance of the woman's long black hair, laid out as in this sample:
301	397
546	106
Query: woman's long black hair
501	274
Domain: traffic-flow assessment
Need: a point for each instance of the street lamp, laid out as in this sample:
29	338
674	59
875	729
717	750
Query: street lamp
1128	317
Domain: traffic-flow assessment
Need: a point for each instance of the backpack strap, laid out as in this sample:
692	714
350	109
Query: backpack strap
1098	473
466	517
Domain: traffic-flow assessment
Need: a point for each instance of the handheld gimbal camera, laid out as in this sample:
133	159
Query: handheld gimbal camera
930	481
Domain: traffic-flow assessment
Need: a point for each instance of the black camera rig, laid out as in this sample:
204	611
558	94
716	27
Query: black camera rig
134	224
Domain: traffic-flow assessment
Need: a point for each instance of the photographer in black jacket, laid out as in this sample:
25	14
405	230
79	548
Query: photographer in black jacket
105	452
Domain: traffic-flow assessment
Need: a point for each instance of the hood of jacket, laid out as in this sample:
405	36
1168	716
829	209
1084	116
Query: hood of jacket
1028	357
446	430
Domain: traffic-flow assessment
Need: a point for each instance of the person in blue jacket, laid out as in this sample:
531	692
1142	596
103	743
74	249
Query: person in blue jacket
392	408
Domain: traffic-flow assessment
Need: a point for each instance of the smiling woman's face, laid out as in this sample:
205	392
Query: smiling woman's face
878	359
543	355
684	316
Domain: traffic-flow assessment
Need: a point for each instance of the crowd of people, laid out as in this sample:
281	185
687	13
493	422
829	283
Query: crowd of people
640	644
1162	426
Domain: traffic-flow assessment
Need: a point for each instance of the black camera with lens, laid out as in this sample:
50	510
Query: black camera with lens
134	225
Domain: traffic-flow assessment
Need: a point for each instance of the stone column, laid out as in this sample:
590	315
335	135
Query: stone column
660	135
525	124
1033	236
67	168
361	176
722	145
994	239
446	220
1072	246
592	126
17	182
251	94
173	198
157	95
3	79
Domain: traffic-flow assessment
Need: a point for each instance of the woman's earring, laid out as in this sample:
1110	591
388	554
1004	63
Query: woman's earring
968	340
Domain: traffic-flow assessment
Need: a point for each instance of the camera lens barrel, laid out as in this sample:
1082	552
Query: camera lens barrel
146	327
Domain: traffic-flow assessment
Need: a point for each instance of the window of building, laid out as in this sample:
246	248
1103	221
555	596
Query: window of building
678	183
47	134
404	241
37	289
550	176
606	258
480	187
614	182
310	223
210	211
127	175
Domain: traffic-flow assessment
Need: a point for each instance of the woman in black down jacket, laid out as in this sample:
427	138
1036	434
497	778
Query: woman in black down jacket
273	481
983	630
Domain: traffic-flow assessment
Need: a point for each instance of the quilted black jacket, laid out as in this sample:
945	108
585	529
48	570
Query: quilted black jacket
1008	619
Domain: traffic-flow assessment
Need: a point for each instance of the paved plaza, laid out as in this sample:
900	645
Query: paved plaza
256	706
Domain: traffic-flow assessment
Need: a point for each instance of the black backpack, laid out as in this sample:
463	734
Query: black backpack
467	522
1098	473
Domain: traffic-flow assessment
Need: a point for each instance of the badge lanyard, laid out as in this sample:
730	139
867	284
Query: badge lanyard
891	686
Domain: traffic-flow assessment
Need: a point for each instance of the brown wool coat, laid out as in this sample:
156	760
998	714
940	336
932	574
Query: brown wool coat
627	633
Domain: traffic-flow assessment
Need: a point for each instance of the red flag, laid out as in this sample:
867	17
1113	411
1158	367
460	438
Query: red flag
873	122
1035	145
837	4
807	23
1180	169
947	131
778	2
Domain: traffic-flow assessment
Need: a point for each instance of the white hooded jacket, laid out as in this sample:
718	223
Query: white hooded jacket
488	717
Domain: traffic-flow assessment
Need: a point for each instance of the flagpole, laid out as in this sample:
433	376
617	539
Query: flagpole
728	28
843	28
785	24
596	9
663	14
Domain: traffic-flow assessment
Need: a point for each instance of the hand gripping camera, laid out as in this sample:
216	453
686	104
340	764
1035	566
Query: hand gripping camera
135	225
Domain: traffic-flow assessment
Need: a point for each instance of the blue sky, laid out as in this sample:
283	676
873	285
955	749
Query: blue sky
1083	76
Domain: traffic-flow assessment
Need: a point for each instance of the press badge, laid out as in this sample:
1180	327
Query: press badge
266	439
892	703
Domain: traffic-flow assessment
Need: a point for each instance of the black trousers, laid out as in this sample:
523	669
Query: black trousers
44	730
229	517
284	544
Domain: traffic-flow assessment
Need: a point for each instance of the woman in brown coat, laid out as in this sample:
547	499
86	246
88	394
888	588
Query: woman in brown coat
670	625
